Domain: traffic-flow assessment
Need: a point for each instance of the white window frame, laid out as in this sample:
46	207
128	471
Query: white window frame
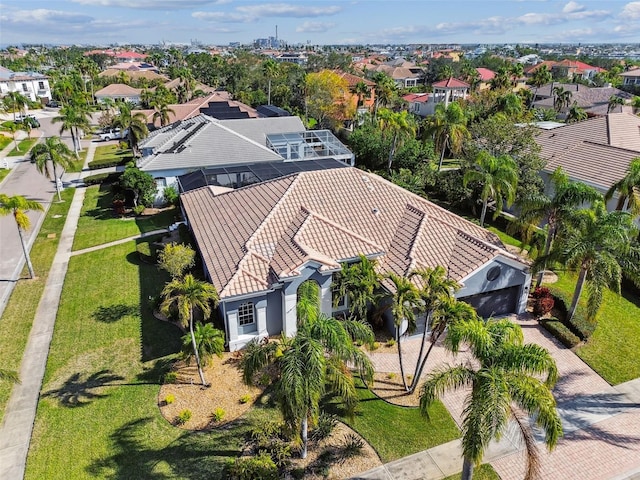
246	314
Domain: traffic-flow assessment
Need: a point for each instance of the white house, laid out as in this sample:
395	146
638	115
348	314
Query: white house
119	92
32	85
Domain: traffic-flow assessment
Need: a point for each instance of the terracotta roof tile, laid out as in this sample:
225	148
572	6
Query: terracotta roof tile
451	83
327	216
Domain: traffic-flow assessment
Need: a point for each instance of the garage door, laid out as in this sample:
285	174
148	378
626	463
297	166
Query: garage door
494	303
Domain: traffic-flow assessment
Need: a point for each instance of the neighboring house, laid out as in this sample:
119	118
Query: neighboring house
406	74
632	77
418	104
444	92
352	80
34	86
485	76
597	151
119	92
291	57
128	56
260	243
593	100
134	74
203	142
217	105
571	69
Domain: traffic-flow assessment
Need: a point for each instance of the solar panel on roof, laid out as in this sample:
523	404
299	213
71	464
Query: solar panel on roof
174	148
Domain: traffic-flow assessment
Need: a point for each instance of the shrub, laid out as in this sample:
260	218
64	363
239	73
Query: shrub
259	467
170	377
176	258
580	325
266	431
102	178
107	162
138	209
543	305
245	398
374	346
351	446
169	399
171	195
326	424
560	331
391	342
541	292
218	414
183	417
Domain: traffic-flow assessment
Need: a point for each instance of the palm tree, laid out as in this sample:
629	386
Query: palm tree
16	102
270	71
161	111
384	89
498	177
436	292
209	342
399	126
448	128
135	126
635	103
18	206
359	282
510	104
404	301
516	71
502	79
599	246
13	128
576	114
628	188
556	210
614	101
561	98
505	379
316	360
361	90
186	295
73	117
540	77
55	151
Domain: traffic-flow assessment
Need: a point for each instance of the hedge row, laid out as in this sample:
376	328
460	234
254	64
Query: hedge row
560	331
580	324
102	178
108	162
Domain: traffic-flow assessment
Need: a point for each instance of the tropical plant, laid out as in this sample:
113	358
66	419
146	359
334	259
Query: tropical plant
135	126
18	206
448	129
15	102
359	282
140	183
186	295
176	258
73	117
270	71
555	210
53	151
385	89
576	114
498	177
628	188
360	90
561	98
506	378
209	342
13	128
398	126
540	77
614	101
312	362
599	246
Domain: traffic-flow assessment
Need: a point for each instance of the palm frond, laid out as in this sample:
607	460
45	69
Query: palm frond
442	379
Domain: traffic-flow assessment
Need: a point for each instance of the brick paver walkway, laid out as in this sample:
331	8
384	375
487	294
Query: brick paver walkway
601	423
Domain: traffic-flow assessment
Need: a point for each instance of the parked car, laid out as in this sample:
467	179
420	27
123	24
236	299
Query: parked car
114	134
52	104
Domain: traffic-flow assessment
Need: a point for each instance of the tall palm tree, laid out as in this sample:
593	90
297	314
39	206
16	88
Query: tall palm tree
13	128
16	102
55	152
317	359
186	295
599	246
404	301
614	101
448	129
516	71
498	177
161	111
18	206
502	80
436	292
209	342
384	89
397	125
540	77
576	114
135	126
73	117
361	90
506	381
359	282
628	188
561	98
555	210
270	70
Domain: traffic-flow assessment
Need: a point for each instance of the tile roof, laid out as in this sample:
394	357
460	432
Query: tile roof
451	83
416	97
597	151
118	89
251	237
353	80
631	73
485	74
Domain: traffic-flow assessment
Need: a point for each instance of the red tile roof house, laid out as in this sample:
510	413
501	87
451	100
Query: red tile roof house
597	151
260	242
444	91
119	92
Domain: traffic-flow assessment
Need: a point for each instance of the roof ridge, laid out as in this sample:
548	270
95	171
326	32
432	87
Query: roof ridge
264	147
414	241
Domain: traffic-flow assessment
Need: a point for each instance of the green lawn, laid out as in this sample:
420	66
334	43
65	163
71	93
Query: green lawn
4	141
98	223
614	348
3	173
77	165
109	153
395	432
23	147
21	308
483	472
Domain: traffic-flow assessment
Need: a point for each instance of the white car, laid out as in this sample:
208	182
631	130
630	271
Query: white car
114	134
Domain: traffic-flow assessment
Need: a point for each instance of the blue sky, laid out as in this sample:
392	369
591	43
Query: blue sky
219	22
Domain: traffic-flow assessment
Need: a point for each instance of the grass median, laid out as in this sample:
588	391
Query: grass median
20	310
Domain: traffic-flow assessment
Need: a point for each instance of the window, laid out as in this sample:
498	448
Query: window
339	303
41	85
24	87
245	314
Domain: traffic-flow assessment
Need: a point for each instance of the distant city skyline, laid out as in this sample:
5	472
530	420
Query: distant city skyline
219	22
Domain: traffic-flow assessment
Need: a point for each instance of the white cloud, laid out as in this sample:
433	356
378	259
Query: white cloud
314	27
221	17
41	16
287	10
572	7
631	11
151	4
